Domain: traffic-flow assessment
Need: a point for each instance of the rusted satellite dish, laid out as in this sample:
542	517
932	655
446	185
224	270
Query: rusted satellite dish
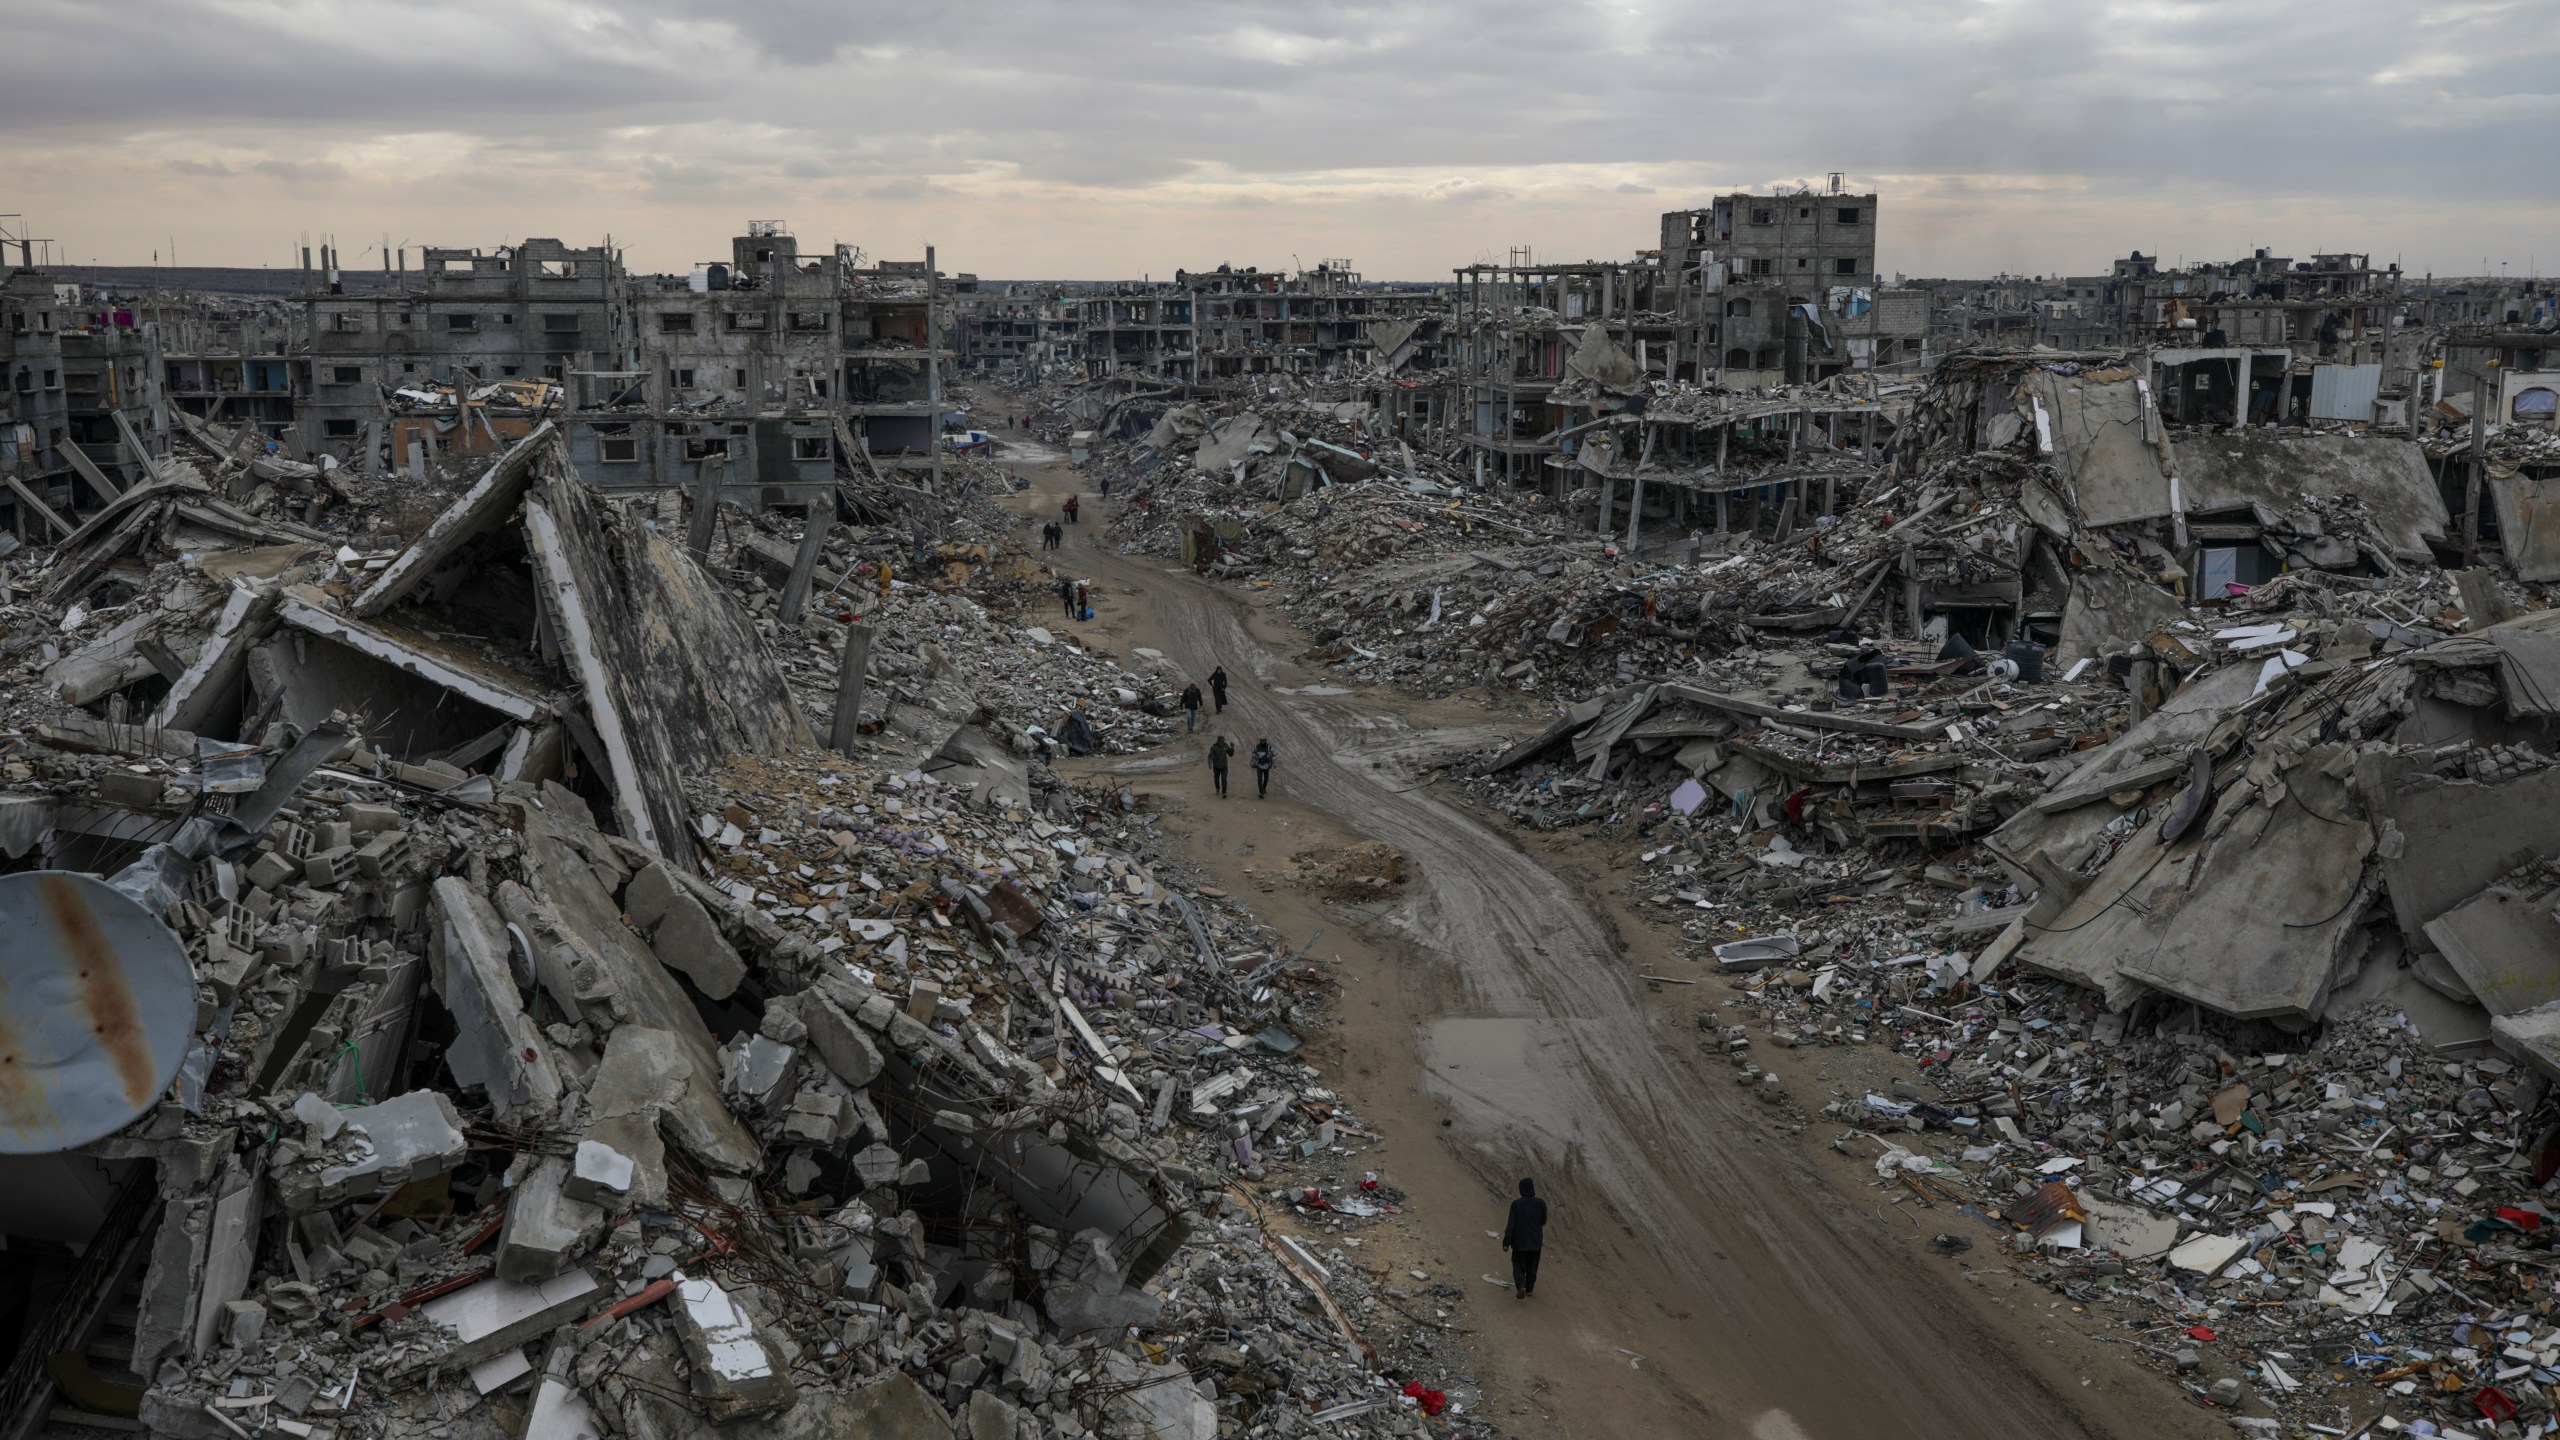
97	1006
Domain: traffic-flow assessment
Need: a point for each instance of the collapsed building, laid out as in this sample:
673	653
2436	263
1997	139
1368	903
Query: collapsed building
455	993
2160	773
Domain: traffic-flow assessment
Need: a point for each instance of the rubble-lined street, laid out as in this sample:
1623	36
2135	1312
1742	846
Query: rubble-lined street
1702	1239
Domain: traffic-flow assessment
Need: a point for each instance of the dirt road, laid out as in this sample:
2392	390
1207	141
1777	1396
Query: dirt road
1760	1298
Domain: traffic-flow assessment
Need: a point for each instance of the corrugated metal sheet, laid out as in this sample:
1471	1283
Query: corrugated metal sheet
2344	392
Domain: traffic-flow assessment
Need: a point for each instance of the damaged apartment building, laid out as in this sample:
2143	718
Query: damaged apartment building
1746	302
82	416
762	366
1234	324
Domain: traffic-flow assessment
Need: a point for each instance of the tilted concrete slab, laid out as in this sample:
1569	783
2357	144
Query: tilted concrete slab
2253	919
2239	469
2505	944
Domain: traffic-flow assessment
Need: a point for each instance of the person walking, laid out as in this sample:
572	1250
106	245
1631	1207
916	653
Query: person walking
1524	1235
1218	687
1190	708
1084	599
1263	759
1067	597
1219	752
1070	507
1106	487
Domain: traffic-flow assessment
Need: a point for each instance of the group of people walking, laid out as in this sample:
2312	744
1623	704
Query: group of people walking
1222	751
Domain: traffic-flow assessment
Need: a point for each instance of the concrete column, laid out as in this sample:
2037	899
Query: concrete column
706	507
804	566
849	681
1608	504
1635	510
933	371
2481	394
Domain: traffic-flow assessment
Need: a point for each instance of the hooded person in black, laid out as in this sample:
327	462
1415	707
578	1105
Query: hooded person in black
1524	1235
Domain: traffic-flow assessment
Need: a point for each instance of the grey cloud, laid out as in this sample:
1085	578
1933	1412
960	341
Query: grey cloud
2378	103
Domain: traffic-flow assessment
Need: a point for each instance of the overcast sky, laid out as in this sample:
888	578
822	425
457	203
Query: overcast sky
1112	138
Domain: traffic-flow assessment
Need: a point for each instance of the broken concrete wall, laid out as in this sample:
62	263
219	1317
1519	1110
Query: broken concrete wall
2095	429
676	678
2276	469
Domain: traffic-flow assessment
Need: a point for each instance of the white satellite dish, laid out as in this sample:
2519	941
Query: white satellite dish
97	1007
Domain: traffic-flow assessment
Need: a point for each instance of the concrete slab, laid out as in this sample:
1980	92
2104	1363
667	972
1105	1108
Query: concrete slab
2443	841
498	1047
2532	1036
2505	944
497	1315
546	1231
377	1147
842	1044
2129	1230
736	1372
2241	469
895	1408
2093	425
2251	920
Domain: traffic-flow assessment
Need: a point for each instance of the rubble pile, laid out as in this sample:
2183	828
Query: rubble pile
2142	786
574	1048
970	636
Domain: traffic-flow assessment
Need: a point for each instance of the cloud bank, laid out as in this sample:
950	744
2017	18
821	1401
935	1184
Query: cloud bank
1109	138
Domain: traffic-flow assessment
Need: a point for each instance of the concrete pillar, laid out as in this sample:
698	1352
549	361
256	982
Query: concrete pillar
1635	510
706	507
849	680
1608	504
804	566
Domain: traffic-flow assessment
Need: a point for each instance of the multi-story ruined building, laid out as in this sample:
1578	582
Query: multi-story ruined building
82	417
766	366
1235	323
541	310
1796	286
1010	325
229	358
1139	329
